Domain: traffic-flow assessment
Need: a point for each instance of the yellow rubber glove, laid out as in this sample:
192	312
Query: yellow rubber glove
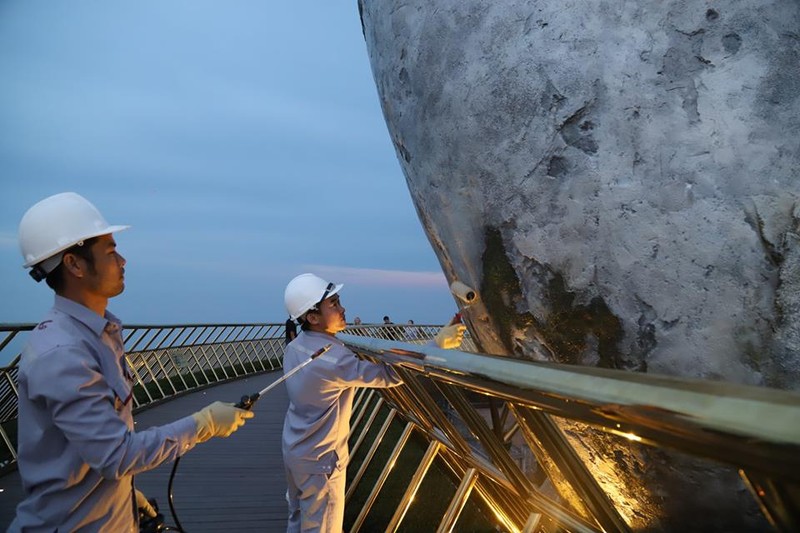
144	505
450	337
219	420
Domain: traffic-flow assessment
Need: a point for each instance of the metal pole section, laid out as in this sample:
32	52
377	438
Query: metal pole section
521	484
293	371
247	401
537	426
413	486
775	500
532	525
373	495
458	502
359	411
352	484
373	414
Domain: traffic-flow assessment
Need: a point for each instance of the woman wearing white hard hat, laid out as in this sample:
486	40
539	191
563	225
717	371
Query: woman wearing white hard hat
317	422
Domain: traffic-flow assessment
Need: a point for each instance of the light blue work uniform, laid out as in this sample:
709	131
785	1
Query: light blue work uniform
316	426
78	451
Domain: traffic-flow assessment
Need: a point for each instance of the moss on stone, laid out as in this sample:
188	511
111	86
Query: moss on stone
567	326
500	289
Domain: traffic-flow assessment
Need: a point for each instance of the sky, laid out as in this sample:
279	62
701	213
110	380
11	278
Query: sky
243	141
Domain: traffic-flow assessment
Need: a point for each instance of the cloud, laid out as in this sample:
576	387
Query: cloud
8	240
237	167
370	277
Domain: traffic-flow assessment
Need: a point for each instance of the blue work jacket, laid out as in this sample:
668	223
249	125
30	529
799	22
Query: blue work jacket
321	399
78	451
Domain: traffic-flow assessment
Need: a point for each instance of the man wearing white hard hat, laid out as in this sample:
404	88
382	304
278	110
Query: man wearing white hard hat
317	422
77	448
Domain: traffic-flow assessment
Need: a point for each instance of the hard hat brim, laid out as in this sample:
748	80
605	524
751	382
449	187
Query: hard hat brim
308	307
335	290
106	231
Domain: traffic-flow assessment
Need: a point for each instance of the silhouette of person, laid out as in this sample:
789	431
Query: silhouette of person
291	330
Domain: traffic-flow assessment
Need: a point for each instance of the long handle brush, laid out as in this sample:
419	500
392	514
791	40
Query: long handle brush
247	401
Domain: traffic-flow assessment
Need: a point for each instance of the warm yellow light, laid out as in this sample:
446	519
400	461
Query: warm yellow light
631	436
503	519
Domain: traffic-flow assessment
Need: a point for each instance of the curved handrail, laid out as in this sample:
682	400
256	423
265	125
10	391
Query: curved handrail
170	360
494	423
756	430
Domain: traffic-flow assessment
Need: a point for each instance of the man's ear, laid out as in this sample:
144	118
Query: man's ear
74	265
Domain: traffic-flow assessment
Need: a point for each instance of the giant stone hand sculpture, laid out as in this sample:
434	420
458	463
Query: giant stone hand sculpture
620	181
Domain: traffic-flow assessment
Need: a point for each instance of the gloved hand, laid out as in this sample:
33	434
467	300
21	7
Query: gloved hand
219	420
450	336
143	504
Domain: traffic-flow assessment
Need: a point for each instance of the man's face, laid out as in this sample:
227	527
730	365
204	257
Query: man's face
331	315
107	278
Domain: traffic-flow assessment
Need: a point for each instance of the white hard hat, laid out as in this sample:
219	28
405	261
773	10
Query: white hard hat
305	291
55	224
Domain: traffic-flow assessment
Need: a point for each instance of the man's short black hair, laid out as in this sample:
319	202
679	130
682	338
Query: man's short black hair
55	279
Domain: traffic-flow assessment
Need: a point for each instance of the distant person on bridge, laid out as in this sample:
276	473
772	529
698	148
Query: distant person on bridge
317	422
412	332
291	330
77	448
391	333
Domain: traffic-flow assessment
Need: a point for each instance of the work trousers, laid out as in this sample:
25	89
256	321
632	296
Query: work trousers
316	502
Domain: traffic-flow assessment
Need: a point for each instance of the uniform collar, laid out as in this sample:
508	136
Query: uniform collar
318	335
83	314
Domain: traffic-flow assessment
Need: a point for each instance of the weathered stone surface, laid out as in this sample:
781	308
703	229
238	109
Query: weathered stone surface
620	181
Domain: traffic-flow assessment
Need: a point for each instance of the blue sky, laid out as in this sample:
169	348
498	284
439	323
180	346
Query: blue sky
242	140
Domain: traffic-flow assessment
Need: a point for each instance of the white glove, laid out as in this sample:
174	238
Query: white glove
219	420
450	336
144	505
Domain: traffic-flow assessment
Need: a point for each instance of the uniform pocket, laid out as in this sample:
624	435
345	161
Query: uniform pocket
122	394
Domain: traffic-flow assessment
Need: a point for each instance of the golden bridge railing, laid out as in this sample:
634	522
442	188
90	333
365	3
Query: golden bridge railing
494	425
171	360
474	442
166	361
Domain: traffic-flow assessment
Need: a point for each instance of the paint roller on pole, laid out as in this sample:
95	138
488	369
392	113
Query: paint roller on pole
247	401
465	295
